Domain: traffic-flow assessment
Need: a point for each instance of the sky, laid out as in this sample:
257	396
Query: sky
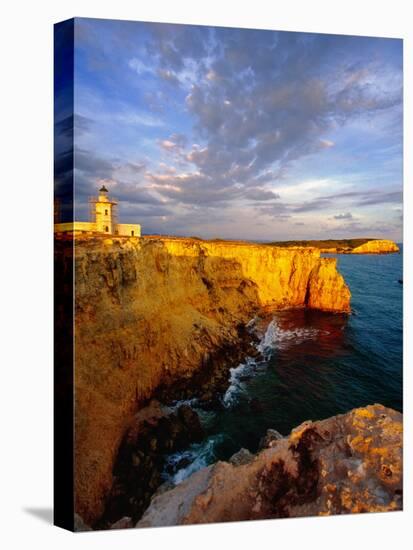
234	133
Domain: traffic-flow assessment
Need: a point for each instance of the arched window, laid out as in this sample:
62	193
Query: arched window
107	229
132	233
106	212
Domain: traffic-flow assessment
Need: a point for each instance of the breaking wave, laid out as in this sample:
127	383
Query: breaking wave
279	338
238	377
274	338
182	464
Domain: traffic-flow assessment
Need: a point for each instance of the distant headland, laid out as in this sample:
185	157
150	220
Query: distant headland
345	246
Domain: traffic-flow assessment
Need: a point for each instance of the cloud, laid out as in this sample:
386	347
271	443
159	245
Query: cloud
167	144
135	167
133	195
192	188
168	76
125	181
366	198
346	216
326	143
259	194
140	67
392	197
90	163
259	110
310	206
174	143
276	210
138	211
326	203
138	119
197	119
172	44
373	230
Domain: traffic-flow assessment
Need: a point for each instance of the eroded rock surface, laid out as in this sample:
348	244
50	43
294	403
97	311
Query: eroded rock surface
151	313
345	464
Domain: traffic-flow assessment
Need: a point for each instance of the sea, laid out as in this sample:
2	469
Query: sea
313	365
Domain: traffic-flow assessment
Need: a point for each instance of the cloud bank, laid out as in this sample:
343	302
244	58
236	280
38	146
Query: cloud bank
239	133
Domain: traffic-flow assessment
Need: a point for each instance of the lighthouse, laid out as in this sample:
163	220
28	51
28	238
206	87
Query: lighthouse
104	212
103	219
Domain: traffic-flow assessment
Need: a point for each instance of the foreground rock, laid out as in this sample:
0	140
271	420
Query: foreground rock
155	431
154	312
376	247
349	463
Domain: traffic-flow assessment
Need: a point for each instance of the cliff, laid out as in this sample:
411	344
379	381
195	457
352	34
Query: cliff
327	287
349	463
376	247
345	246
149	312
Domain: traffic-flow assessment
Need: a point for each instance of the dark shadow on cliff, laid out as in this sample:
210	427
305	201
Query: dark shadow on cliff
44	514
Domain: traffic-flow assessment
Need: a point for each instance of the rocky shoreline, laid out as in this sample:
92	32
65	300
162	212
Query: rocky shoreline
208	383
161	428
348	463
156	432
153	317
164	426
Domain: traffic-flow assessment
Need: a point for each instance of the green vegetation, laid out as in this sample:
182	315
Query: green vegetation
339	244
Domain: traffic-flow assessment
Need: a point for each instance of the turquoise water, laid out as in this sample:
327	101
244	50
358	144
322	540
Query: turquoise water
315	365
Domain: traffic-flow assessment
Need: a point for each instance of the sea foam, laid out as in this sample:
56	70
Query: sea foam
275	338
197	456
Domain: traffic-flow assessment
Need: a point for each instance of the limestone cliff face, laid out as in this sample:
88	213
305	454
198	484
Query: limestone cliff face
326	288
346	464
151	311
376	247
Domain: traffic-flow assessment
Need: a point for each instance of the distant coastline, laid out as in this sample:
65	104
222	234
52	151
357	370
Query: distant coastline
345	246
326	246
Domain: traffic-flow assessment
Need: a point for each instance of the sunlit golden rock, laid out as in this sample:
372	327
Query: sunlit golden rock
327	289
151	311
346	464
376	247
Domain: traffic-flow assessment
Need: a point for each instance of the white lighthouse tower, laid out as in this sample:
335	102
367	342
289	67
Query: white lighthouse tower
105	212
103	219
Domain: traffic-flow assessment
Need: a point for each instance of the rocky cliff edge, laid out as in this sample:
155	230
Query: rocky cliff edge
149	312
349	463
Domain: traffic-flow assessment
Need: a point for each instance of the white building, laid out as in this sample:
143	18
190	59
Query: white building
103	219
